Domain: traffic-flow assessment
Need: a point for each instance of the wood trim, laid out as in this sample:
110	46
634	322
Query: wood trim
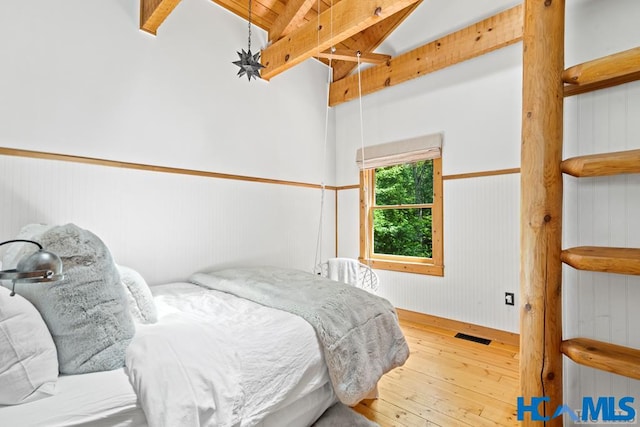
152	168
433	266
347	18
497	335
417	206
348	187
405	266
437	219
481	174
401	259
154	12
451	177
485	36
366	199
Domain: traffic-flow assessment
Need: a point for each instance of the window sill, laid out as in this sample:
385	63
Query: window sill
406	267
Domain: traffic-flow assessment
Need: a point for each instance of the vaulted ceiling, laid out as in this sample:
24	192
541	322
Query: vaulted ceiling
343	32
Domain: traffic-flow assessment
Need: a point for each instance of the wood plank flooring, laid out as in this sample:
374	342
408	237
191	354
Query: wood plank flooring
446	382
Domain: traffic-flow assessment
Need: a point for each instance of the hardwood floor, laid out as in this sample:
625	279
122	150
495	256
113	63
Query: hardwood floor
446	382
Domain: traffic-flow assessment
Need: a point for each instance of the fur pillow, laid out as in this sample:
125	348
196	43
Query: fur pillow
87	311
28	360
141	305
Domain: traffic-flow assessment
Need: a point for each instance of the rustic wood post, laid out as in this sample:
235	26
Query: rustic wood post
541	207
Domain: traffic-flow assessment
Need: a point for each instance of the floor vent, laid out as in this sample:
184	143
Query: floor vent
472	338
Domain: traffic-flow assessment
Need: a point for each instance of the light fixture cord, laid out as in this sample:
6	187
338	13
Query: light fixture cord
249	44
318	257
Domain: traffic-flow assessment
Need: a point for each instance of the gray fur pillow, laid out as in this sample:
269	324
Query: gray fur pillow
87	311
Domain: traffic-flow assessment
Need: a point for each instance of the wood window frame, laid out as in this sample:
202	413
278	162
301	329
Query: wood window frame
433	266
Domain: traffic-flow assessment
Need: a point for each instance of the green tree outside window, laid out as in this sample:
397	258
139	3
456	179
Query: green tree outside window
402	212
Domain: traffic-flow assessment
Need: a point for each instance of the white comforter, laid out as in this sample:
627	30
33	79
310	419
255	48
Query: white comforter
186	373
358	331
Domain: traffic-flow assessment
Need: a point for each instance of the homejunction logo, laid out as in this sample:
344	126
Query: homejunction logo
602	410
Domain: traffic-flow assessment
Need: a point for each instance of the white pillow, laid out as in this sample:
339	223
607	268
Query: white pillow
28	358
139	297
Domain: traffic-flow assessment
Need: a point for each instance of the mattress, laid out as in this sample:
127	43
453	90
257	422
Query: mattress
108	398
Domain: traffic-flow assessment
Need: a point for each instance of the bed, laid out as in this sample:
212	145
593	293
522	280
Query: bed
225	348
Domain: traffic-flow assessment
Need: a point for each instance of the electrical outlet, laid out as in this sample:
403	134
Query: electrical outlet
509	298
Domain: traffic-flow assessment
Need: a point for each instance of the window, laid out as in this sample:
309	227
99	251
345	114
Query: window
401	216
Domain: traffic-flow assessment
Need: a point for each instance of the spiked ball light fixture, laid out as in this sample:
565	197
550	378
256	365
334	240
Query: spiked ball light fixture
249	63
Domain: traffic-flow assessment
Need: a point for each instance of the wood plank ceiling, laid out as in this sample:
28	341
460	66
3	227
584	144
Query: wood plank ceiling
340	30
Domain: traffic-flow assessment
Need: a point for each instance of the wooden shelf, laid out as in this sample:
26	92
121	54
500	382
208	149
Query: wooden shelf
622	67
604	356
607	260
603	164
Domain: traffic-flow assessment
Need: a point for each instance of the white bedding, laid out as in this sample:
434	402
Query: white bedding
186	374
107	399
100	399
273	376
358	332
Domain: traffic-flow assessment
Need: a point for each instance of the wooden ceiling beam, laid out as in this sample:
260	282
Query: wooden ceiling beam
485	36
352	56
154	12
262	16
348	18
291	18
369	39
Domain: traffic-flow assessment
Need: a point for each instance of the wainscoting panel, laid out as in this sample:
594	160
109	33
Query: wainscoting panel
168	226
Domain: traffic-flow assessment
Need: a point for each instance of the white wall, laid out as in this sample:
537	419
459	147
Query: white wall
79	78
476	105
168	226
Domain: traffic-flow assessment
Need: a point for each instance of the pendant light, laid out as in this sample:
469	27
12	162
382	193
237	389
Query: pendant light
249	64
